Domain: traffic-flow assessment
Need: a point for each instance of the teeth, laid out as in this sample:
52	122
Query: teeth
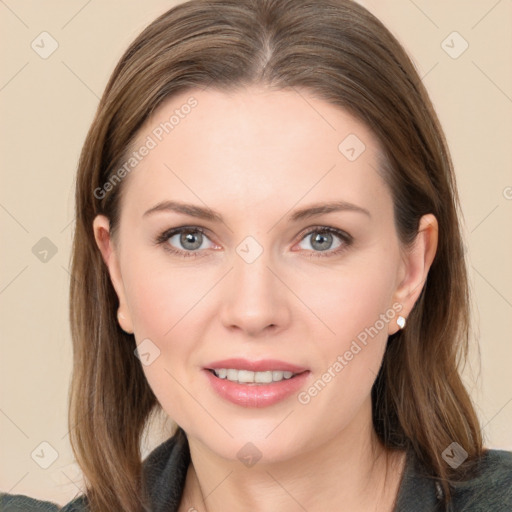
222	373
248	377
245	376
264	377
232	374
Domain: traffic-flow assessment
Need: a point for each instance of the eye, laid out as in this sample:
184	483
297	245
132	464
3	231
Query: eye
191	241
326	240
185	241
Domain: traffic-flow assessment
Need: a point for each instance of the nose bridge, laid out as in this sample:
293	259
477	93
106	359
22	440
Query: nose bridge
251	270
253	298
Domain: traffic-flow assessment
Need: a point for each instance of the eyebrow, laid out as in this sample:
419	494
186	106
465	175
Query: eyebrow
200	212
321	208
206	213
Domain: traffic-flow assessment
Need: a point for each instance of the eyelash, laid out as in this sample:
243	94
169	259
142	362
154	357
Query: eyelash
347	240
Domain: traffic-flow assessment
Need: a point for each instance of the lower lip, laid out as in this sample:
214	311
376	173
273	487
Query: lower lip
256	395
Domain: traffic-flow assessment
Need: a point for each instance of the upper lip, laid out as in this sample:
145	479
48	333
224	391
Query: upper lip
256	366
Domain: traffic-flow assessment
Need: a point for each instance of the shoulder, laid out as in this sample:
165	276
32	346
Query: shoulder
164	469
21	503
490	488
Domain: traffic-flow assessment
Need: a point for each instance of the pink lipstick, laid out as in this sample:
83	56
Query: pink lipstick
255	383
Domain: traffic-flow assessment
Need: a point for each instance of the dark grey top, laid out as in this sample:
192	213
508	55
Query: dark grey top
165	469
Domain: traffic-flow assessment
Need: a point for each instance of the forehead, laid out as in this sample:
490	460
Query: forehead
254	145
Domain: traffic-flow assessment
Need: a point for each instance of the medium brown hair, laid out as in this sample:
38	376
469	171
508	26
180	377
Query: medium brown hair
339	52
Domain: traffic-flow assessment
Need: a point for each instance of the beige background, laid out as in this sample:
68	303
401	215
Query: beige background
46	108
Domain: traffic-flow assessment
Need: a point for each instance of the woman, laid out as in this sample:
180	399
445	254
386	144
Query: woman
267	248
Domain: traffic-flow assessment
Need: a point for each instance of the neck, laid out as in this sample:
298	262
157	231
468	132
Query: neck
351	472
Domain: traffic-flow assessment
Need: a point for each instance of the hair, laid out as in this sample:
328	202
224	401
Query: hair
339	52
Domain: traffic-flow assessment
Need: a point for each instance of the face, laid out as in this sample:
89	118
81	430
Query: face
257	235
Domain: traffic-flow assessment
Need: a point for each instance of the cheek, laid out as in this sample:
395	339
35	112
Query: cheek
160	297
166	304
349	299
355	308
162	307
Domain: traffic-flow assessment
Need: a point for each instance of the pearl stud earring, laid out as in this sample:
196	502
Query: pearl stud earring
401	322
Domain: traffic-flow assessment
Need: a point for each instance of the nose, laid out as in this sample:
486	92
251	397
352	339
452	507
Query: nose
254	301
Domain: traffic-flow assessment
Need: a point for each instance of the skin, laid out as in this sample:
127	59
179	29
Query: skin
255	156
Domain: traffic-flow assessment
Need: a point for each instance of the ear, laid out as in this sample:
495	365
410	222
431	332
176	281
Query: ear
101	228
416	262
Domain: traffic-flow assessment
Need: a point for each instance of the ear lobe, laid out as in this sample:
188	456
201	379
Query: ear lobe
416	264
101	228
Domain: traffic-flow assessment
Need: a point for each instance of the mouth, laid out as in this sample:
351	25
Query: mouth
255	383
